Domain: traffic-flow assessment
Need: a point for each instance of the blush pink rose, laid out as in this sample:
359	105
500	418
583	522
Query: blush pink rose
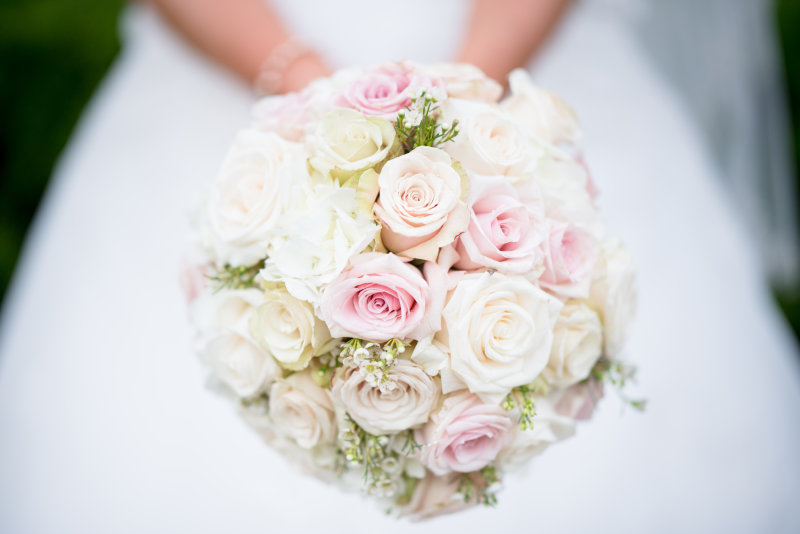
591	187
194	279
381	296
385	90
570	255
579	400
420	203
465	435
286	115
504	232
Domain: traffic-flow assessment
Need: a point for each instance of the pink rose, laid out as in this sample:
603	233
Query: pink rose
419	203
194	279
504	232
570	255
579	400
465	435
286	115
591	187
384	90
381	296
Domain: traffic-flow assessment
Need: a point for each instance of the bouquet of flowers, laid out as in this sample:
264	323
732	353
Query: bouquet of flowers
405	285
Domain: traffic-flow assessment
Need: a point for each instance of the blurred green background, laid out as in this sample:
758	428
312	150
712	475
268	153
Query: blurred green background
53	54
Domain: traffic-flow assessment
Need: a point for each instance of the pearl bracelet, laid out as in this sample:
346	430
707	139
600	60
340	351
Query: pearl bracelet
275	65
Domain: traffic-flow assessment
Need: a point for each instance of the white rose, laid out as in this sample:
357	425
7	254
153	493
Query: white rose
314	243
498	331
542	114
240	364
489	142
548	428
613	295
287	328
577	345
222	311
465	81
302	410
409	404
421	203
564	186
248	196
347	142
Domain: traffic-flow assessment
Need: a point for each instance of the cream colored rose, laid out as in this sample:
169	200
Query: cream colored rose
489	142
577	345
302	410
218	312
541	113
613	295
465	81
421	203
409	404
498	331
248	196
548	428
347	142
240	364
287	328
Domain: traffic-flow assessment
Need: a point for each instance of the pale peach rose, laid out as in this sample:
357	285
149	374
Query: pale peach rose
407	405
420	203
579	400
465	81
436	495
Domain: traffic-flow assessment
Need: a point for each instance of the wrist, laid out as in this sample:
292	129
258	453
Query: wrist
279	69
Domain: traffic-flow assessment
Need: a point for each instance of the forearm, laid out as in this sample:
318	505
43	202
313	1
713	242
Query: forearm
239	34
505	34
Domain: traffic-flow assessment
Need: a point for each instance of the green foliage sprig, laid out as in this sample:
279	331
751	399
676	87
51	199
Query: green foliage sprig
619	375
419	124
522	397
361	448
241	277
480	486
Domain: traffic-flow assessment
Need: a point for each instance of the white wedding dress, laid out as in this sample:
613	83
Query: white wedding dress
105	423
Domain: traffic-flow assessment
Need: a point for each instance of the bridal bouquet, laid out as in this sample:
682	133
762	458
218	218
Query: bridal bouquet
406	287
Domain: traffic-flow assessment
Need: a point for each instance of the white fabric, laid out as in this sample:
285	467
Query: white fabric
105	424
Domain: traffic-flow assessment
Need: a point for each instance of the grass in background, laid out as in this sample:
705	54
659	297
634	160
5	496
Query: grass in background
53	53
788	20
